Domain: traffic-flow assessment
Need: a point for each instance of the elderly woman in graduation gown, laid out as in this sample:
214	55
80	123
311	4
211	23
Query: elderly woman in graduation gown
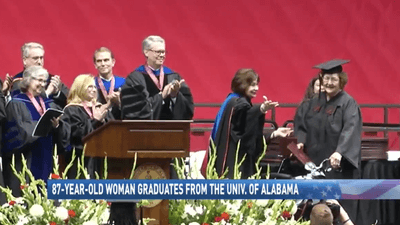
331	128
238	119
23	113
84	114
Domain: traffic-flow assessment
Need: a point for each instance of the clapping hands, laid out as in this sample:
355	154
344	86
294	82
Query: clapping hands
54	86
172	89
7	84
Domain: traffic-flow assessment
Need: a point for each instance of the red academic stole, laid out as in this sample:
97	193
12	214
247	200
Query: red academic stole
103	89
88	110
40	108
158	82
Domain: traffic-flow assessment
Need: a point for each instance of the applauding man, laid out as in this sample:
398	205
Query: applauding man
108	85
154	91
33	55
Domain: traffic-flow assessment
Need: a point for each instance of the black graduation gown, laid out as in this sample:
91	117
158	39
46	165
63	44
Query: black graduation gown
245	122
22	118
332	126
141	99
81	125
115	109
59	101
2	121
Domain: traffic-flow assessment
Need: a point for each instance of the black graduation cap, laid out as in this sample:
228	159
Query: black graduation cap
332	66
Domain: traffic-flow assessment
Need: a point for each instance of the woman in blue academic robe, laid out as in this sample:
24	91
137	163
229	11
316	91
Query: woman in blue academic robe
240	120
23	113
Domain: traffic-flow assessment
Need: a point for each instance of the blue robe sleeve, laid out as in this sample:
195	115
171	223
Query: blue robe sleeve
18	128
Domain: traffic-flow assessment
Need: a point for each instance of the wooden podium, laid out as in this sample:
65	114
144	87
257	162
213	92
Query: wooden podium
156	142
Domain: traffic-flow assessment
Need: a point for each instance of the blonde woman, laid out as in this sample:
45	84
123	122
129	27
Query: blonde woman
84	114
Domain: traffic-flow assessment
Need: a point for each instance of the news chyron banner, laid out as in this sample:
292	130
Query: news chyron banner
223	189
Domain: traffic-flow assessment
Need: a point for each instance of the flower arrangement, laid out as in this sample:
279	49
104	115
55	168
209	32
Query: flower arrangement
34	207
233	212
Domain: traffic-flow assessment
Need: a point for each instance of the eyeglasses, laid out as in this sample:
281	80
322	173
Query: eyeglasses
332	79
40	80
159	52
36	58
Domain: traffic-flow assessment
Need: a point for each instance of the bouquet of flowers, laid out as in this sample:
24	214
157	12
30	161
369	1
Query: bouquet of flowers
234	212
34	207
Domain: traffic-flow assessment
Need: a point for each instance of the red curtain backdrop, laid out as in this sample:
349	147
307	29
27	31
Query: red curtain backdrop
207	41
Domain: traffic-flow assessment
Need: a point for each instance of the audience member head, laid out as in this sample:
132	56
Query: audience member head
245	82
321	215
83	89
104	62
34	80
153	48
32	54
313	88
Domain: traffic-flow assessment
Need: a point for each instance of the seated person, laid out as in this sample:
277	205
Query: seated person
84	114
23	113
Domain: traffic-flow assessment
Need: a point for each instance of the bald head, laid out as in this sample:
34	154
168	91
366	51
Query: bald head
321	215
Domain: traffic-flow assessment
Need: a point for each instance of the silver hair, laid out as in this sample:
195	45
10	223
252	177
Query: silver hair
150	40
30	72
28	46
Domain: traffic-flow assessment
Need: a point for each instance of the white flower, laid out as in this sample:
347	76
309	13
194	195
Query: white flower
189	210
199	210
194	223
294	209
262	202
5	205
89	223
268	212
22	220
36	210
62	213
19	200
105	215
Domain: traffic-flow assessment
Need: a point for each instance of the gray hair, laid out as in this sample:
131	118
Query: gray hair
28	46
150	40
30	72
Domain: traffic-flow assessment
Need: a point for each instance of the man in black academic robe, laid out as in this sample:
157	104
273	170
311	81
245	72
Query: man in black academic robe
33	55
3	118
154	91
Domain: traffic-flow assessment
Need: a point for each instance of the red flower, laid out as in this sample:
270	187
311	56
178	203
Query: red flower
205	224
23	186
250	205
217	219
286	215
53	223
225	216
71	213
55	176
11	203
109	203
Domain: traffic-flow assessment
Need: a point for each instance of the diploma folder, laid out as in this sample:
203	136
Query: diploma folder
44	125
